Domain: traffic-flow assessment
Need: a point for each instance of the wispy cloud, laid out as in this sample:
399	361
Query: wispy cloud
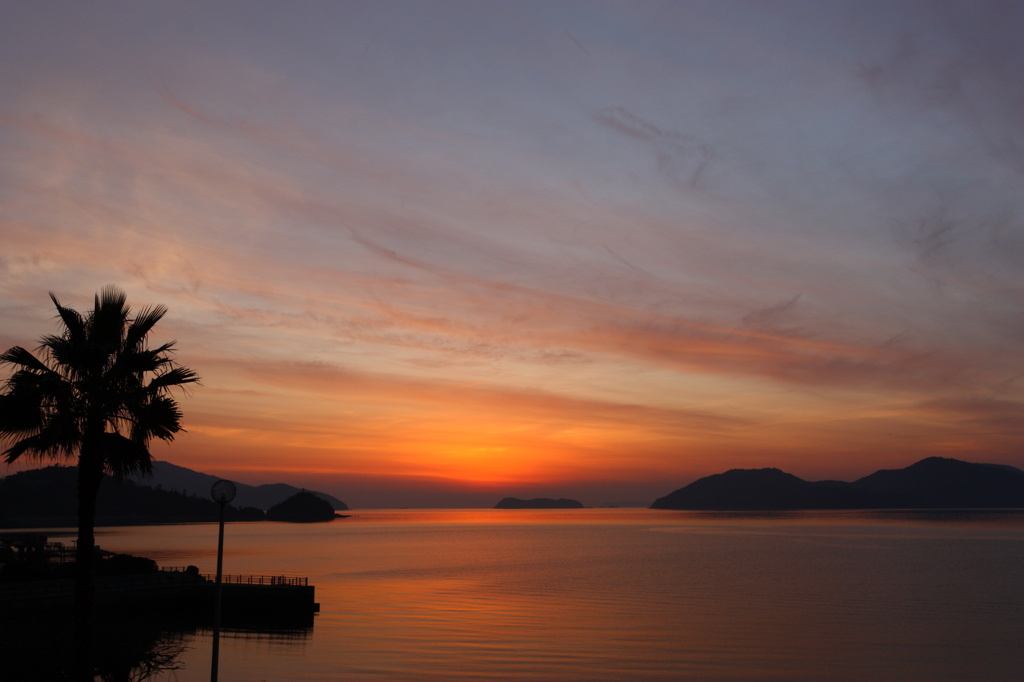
459	242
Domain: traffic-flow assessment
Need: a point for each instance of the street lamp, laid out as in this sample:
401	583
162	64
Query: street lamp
222	492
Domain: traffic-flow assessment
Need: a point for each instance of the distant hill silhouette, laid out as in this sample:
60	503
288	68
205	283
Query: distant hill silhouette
770	489
302	507
944	482
173	477
538	503
47	498
935	482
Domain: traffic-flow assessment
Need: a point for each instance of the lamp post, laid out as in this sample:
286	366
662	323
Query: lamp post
222	492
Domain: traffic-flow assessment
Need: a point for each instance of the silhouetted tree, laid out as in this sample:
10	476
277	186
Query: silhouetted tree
97	392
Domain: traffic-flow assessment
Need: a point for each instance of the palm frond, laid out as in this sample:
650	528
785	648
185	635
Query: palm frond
73	321
20	447
164	349
107	322
177	376
67	353
21	410
143	323
123	456
158	418
55	440
60	435
111	298
40	404
17	355
137	362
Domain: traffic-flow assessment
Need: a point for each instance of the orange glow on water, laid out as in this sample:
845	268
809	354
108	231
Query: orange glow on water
624	594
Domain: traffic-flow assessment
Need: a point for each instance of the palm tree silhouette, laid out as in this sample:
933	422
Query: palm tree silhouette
98	392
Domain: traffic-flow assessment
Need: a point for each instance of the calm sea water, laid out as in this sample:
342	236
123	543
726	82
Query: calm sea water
623	595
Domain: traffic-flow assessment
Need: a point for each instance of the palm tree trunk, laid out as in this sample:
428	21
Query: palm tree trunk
90	475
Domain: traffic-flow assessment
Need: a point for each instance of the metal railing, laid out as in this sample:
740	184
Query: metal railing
269	580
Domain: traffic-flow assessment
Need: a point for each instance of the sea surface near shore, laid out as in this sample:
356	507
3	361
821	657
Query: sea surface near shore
621	594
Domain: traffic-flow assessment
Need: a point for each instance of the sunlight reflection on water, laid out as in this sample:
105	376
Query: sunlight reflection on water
628	594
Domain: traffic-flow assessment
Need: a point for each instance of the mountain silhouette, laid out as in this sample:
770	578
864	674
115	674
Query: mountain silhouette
945	482
46	498
935	482
173	477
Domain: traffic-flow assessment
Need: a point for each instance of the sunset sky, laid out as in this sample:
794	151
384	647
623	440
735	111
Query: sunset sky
437	253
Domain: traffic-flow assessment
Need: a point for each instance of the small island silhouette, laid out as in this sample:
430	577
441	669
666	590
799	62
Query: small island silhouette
302	507
538	503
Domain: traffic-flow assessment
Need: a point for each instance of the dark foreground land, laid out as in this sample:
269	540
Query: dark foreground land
143	614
